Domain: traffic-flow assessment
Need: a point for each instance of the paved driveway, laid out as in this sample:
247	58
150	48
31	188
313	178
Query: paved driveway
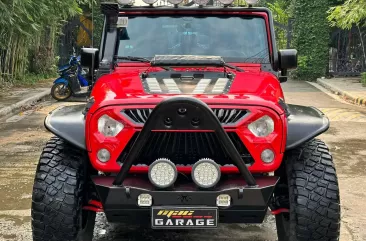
22	138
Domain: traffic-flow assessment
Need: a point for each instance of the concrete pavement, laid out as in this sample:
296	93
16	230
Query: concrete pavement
18	99
21	142
349	89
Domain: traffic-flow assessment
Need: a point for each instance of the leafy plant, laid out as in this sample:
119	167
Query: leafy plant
349	14
281	14
28	34
363	79
311	38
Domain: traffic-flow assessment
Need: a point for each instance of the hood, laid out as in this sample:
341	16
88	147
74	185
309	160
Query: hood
138	85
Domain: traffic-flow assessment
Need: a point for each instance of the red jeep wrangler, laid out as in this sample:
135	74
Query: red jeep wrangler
186	127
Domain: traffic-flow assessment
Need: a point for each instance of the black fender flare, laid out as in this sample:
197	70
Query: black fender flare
303	124
68	123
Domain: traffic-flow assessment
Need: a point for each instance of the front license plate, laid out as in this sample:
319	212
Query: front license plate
175	218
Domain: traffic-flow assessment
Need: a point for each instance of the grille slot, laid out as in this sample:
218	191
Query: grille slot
186	148
225	116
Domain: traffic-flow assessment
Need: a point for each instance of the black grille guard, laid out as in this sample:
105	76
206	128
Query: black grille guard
183	113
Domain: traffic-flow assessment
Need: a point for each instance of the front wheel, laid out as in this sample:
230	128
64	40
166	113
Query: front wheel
61	91
60	190
310	187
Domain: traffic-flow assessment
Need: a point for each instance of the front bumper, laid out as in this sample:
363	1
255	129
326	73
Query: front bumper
248	204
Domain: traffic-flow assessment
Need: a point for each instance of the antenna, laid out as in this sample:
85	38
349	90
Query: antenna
92	37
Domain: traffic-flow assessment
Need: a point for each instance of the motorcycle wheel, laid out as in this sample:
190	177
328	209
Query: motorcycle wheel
61	91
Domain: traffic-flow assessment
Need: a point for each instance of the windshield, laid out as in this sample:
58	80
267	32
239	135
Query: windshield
235	38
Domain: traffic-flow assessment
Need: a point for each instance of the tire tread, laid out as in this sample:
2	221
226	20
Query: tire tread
57	192
314	193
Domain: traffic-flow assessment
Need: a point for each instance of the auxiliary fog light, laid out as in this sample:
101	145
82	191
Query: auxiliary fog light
226	2
149	1
124	2
252	2
201	2
162	173
144	200
223	200
206	173
175	2
103	155
267	156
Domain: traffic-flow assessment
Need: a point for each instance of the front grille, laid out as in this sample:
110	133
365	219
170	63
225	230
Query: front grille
186	148
225	116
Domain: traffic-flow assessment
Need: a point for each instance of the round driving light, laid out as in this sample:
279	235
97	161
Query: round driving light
252	2
226	2
201	2
267	156
175	2
206	173
124	2
144	200
162	173
223	200
103	155
149	1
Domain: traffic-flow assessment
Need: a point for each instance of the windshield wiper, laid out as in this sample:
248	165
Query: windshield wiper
139	59
145	60
233	67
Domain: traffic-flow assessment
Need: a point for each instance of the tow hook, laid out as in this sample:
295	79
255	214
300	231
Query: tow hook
279	211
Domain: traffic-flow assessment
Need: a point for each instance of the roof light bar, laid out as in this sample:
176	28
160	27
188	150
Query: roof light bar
201	2
150	2
125	2
175	2
252	2
226	2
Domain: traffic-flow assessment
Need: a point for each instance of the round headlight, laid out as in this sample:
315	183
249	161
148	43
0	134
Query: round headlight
109	126
262	127
206	173
267	156
201	2
162	173
103	155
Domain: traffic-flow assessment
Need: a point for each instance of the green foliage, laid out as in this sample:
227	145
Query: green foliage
349	14
281	14
239	3
363	79
311	38
28	33
352	12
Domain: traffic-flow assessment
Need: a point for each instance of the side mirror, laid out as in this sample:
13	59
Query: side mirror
89	58
287	59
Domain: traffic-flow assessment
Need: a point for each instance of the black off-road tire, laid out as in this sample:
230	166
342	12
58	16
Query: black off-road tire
58	193
313	195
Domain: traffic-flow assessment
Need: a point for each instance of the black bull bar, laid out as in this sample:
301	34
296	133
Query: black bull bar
183	113
250	196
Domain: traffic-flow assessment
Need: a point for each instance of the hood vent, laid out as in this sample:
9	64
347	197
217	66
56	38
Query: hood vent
187	83
225	116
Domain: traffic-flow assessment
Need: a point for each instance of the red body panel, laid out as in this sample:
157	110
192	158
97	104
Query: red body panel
253	90
256	91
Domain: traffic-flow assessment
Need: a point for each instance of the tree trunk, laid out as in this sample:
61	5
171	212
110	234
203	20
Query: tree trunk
362	45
